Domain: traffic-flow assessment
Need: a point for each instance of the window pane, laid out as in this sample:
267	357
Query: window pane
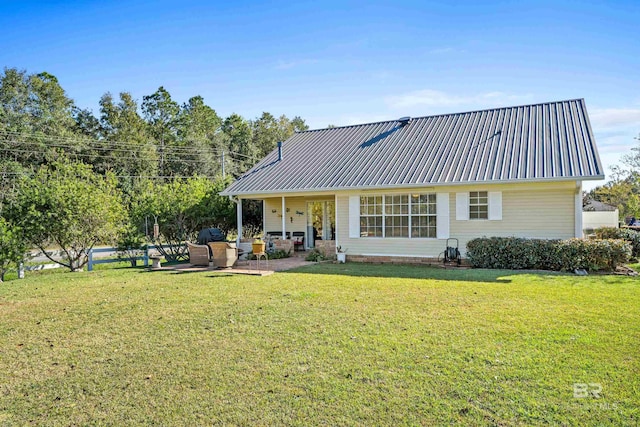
478	205
423	215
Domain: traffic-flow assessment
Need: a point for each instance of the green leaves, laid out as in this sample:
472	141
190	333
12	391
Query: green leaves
540	254
182	208
66	204
12	246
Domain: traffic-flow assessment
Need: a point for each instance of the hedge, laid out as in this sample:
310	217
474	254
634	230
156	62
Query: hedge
539	254
627	234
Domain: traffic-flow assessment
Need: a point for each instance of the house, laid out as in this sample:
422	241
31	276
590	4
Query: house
397	190
597	214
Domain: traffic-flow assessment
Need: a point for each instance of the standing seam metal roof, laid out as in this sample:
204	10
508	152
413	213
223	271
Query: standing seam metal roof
549	141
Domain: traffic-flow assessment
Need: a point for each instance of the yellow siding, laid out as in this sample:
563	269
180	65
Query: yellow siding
528	210
535	210
273	221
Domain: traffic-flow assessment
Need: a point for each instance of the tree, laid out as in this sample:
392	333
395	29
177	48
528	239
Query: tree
50	108
161	113
35	113
196	150
623	191
240	143
87	124
14	101
67	205
130	150
183	207
267	131
12	246
266	134
299	125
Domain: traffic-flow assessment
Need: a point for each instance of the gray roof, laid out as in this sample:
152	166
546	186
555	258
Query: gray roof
550	141
597	206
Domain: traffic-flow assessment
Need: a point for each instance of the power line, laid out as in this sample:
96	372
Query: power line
3	174
126	144
181	157
94	156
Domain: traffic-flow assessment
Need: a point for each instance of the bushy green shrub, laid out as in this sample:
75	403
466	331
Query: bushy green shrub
631	236
315	256
591	254
540	254
131	245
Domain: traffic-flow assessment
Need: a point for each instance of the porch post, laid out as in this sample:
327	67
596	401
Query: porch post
239	220
335	207
284	220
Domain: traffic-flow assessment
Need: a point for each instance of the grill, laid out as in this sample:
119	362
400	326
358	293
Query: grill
207	235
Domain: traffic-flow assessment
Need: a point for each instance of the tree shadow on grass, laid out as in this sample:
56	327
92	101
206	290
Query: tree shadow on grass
417	272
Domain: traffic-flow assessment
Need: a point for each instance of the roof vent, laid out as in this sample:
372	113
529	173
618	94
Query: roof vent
404	121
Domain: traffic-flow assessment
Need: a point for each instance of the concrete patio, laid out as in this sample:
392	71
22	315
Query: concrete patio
251	268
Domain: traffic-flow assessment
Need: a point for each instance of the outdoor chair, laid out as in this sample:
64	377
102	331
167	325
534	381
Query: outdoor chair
198	254
225	254
298	240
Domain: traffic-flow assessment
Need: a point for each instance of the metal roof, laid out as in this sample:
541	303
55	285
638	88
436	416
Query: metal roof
597	206
550	141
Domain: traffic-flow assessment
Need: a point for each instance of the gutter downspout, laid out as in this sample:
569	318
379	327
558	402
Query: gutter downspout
284	220
578	211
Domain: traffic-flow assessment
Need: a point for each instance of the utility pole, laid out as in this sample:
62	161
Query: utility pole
223	174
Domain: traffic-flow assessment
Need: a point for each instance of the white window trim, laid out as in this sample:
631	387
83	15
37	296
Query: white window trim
479	204
440	211
494	206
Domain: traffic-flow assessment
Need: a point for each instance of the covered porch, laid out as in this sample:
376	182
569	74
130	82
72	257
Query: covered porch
298	223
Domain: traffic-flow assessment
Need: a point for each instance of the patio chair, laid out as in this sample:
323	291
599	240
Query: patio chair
198	254
298	240
225	254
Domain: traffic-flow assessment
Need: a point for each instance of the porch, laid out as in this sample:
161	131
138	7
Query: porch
297	223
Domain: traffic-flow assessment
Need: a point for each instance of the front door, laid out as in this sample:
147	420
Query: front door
321	222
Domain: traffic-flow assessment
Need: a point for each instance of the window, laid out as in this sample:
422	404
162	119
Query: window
398	215
371	216
478	205
423	215
396	218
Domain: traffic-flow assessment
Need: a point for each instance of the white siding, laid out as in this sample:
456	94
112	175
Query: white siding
592	220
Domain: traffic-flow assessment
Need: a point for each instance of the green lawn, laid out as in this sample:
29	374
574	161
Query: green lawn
328	344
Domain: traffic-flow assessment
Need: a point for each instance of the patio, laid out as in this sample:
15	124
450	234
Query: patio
246	267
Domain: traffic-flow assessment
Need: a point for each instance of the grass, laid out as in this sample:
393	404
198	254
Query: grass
328	344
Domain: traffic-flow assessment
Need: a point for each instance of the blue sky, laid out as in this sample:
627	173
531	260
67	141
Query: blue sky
342	62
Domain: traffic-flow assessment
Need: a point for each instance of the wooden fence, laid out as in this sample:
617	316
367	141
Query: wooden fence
94	261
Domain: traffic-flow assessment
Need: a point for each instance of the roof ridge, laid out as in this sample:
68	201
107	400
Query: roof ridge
445	114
